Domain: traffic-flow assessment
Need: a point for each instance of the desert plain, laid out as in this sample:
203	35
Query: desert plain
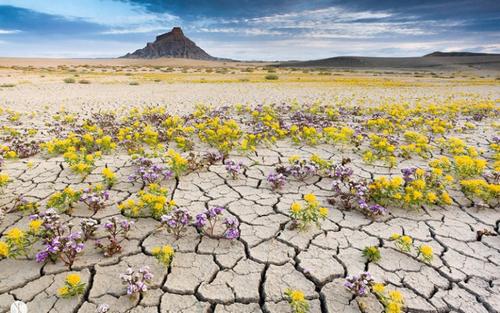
228	131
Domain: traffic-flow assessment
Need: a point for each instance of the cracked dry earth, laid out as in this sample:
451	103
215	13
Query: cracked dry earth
251	273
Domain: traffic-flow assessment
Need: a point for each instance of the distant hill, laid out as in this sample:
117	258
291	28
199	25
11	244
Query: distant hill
435	60
171	45
458	54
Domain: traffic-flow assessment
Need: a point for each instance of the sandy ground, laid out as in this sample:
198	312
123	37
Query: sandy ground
34	62
110	88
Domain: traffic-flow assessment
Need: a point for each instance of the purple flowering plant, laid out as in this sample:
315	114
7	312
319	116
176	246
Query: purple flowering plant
88	227
94	197
359	285
149	172
276	180
117	232
176	221
207	220
233	168
136	280
59	240
352	193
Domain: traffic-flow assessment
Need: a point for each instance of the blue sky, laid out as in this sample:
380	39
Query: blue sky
250	30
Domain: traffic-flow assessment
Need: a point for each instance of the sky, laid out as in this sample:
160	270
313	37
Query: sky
250	30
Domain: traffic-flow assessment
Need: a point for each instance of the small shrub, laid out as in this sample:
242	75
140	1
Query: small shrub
69	80
134	84
272	77
84	81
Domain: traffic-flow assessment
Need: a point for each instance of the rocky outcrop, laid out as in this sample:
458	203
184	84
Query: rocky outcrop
171	45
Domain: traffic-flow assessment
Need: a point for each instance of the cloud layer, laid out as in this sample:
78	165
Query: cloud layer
250	30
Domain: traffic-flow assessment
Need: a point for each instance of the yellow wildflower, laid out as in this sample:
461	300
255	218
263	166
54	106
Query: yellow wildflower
396	296
323	212
296	207
73	279
393	307
15	234
34	225
378	288
297	295
4	249
407	240
310	198
63	291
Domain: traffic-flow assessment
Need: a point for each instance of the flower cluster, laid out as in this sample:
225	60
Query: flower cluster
63	200
233	168
81	162
207	220
372	254
117	232
311	212
480	189
94	197
466	166
65	247
136	281
177	164
381	148
73	286
392	300
17	243
88	227
276	180
405	244
4	180
176	221
153	201
297	301
416	187
109	176
164	254
359	285
149	172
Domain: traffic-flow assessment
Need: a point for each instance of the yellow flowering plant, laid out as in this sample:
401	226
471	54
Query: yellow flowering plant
64	200
17	243
380	149
297	301
4	179
73	286
164	254
222	135
177	164
153	201
466	166
310	212
108	176
372	254
417	187
425	252
403	243
342	136
416	144
81	162
480	189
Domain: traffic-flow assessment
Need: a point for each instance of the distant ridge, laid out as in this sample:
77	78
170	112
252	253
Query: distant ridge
171	45
435	60
458	54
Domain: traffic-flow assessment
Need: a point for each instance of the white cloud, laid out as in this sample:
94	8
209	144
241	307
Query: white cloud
9	31
331	22
245	31
135	30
